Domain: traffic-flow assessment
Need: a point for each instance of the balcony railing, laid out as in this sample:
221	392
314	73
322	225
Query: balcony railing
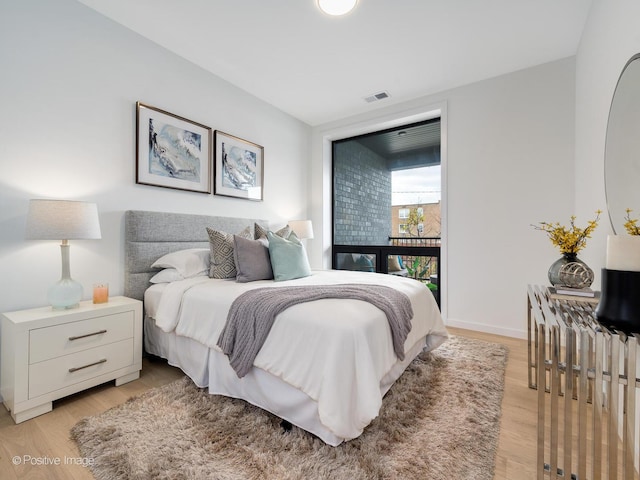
419	257
415	241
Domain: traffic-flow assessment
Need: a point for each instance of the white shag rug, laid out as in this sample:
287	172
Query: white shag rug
440	420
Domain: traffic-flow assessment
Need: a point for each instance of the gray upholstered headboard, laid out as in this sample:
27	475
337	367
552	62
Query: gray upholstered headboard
149	235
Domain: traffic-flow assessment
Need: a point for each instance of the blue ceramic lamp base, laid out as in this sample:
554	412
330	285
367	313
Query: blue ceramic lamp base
619	306
67	293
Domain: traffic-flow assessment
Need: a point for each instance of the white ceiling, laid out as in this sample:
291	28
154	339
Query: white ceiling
319	68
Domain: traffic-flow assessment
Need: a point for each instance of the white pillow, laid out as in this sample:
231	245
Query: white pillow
191	262
167	275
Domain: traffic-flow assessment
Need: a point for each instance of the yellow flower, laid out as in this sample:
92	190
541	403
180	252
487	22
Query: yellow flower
571	239
631	224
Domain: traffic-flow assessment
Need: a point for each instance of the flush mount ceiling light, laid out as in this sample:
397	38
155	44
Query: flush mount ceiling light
337	7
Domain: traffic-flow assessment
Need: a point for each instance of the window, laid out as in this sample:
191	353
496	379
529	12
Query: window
386	201
382	180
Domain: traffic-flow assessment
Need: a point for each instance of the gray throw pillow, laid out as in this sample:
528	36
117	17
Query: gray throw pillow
261	232
221	245
252	260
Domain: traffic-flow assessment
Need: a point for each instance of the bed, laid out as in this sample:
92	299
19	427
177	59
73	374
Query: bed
315	370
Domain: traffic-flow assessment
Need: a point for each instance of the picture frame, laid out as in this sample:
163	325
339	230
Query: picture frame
172	151
239	167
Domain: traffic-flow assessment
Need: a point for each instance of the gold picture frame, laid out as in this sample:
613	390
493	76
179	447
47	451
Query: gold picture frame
239	167
172	151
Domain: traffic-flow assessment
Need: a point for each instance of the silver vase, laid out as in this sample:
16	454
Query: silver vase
570	271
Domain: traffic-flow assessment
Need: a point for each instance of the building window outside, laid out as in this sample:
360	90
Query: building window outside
404	213
423	220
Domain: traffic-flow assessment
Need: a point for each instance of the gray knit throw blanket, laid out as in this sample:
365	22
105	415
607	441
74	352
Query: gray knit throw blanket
252	314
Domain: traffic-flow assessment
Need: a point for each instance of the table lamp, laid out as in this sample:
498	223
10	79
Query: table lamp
619	306
63	220
302	228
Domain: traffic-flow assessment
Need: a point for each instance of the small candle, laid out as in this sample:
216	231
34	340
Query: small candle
101	293
623	253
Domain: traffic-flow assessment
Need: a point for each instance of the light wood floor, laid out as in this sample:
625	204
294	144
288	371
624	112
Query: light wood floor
46	438
516	456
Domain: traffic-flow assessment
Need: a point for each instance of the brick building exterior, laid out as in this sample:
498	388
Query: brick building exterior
429	227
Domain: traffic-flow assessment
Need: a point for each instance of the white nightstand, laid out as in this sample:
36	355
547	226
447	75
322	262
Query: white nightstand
48	354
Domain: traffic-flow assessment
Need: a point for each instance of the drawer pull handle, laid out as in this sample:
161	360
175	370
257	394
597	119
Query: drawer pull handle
78	337
75	369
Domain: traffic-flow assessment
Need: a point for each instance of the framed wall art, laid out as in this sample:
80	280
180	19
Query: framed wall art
239	167
171	151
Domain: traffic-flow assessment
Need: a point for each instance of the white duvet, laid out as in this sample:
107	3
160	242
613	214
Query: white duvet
336	351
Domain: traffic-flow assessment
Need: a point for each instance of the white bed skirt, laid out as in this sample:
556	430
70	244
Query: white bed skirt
210	368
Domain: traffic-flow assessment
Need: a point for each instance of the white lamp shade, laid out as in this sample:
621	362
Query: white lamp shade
302	228
337	7
62	220
623	253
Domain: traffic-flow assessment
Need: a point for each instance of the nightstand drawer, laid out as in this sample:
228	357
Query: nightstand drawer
45	377
67	338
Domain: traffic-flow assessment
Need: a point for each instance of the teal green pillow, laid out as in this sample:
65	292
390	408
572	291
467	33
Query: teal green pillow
364	264
288	257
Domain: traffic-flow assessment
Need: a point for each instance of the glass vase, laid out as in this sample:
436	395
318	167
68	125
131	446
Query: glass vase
570	271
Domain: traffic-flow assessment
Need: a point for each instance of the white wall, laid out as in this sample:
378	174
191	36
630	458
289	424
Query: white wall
509	165
70	79
609	40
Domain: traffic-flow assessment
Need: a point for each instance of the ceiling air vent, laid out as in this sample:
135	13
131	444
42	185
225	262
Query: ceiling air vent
376	96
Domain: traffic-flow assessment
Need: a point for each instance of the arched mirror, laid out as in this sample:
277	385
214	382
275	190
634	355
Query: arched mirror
622	150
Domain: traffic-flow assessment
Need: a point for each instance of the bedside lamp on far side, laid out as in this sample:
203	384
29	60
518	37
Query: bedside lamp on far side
302	228
63	220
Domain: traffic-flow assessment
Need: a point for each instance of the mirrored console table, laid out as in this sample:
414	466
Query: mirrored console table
588	390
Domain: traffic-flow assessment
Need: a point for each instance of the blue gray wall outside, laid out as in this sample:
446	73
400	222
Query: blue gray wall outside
362	196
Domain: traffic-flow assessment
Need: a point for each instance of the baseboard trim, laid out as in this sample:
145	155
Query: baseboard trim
481	327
